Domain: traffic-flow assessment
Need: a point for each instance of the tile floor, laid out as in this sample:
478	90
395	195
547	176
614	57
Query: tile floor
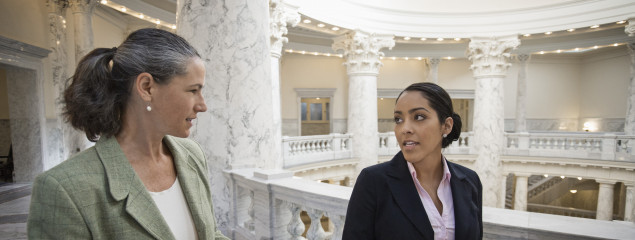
14	209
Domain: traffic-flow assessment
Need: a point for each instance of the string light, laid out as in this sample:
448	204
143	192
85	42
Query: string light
335	28
406	38
306	21
595	26
579	49
570	29
548	33
423	39
321	25
621	22
439	39
527	35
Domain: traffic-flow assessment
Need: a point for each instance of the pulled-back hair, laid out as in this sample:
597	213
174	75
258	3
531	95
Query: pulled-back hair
441	102
101	86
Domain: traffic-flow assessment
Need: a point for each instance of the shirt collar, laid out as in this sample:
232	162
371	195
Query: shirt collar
446	171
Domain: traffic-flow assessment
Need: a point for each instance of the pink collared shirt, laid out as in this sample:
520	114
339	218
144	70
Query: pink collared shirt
442	224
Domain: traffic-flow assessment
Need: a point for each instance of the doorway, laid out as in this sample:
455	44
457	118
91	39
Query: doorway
315	116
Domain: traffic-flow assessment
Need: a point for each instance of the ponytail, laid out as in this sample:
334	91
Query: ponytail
90	105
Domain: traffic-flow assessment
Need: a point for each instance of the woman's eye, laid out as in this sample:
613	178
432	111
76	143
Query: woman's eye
194	91
419	117
398	120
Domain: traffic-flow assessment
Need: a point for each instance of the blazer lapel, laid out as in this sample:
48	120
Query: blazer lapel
462	198
186	168
125	185
405	194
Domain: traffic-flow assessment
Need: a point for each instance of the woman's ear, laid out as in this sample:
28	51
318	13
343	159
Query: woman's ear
143	86
447	125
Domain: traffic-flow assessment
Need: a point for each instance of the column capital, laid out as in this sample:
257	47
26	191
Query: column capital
605	181
523	57
434	61
490	55
281	15
630	28
82	5
56	6
362	51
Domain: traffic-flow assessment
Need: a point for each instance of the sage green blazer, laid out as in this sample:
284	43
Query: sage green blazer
97	195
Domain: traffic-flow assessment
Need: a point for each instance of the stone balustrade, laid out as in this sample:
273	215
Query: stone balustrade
268	204
612	147
311	149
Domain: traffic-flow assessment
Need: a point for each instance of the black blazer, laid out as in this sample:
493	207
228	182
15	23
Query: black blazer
385	204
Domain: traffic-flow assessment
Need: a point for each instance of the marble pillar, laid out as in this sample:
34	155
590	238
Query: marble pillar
280	15
433	75
503	192
362	53
520	195
490	58
58	76
237	130
629	123
521	93
82	10
605	200
629	205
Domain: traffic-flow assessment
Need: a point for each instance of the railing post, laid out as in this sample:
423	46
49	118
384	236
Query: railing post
337	142
609	146
262	211
523	141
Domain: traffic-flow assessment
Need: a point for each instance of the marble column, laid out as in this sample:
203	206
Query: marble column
503	192
629	124
280	15
520	195
521	93
629	205
57	145
605	200
433	75
490	58
362	53
237	130
82	10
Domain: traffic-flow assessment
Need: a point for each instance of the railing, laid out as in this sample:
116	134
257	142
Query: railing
312	149
564	211
320	148
268	206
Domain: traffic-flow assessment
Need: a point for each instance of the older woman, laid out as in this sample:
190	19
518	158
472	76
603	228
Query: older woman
143	179
418	194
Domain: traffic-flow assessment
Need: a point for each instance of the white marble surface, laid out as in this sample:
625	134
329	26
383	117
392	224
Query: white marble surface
521	94
629	205
362	119
520	195
629	127
25	110
236	131
605	200
567	227
433	75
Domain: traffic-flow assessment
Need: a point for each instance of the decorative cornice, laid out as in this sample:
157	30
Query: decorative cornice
523	57
21	48
362	51
280	15
82	5
630	28
434	61
490	56
56	6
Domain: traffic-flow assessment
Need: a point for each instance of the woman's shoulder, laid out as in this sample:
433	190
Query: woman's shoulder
80	168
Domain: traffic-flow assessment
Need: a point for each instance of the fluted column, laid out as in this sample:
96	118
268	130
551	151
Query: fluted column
232	38
82	19
629	124
605	200
490	58
362	53
521	93
629	207
520	195
280	15
433	75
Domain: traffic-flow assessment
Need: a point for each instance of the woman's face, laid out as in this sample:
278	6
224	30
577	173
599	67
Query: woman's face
417	127
177	103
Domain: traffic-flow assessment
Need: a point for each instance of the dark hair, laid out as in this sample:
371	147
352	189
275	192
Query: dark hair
441	102
97	96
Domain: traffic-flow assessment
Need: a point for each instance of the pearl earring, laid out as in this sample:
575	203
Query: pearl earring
149	108
445	135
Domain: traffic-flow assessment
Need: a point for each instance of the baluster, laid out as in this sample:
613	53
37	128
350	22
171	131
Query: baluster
296	226
587	146
312	146
249	224
344	143
329	146
316	232
512	143
532	143
320	145
302	146
338	222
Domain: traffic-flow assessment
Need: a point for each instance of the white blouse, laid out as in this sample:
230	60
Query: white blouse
175	211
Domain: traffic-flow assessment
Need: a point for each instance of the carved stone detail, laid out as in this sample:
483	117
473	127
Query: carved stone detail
630	28
490	56
281	15
362	51
82	5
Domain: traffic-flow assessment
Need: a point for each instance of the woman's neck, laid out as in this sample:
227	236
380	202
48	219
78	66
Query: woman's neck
430	168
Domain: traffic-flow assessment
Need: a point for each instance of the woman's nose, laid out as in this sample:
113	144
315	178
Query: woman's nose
201	107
